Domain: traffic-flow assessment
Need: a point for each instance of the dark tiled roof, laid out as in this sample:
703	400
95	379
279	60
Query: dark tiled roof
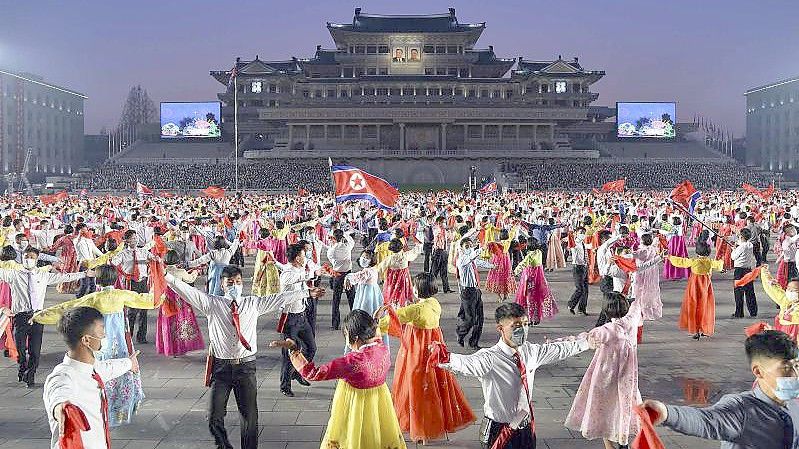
435	23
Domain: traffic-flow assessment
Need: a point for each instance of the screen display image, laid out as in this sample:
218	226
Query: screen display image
643	120
190	120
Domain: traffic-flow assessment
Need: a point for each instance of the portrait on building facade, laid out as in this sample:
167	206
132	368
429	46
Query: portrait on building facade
414	55
399	54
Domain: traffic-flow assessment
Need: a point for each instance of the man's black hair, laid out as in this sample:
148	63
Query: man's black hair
75	323
509	310
770	344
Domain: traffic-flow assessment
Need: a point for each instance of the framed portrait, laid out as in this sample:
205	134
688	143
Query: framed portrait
414	54
398	55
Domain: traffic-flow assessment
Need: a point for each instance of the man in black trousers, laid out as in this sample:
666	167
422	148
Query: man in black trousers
579	257
743	260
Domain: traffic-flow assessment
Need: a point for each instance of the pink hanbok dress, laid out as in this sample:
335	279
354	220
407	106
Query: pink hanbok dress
178	334
646	286
533	292
603	405
676	248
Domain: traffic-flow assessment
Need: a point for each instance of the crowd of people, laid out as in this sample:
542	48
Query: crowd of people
183	256
312	175
640	174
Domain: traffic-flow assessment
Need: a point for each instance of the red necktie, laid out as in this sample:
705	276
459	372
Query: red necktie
523	373
103	407
135	272
234	309
476	274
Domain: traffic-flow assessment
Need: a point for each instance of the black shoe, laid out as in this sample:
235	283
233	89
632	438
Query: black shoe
475	347
460	341
142	342
19	377
584	313
571	310
287	392
303	382
30	384
335	328
449	291
697	336
753	316
736	317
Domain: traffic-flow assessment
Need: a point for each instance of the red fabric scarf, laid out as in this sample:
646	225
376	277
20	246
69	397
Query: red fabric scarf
75	423
647	438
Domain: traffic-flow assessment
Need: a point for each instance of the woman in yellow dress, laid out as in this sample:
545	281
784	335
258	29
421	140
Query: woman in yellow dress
698	313
362	414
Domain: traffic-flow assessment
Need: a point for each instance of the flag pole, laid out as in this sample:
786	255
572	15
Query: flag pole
236	127
333	183
699	221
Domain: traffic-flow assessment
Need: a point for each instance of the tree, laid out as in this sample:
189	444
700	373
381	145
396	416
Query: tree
139	109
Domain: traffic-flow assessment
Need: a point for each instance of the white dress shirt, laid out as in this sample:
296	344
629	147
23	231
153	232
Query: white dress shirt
743	256
604	258
85	249
124	260
72	381
340	254
42	239
467	262
28	287
789	248
224	340
579	253
293	279
495	367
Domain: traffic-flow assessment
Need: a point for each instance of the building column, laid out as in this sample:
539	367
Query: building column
535	137
483	132
444	137
325	138
499	128
307	136
378	136
552	133
517	135
291	129
402	136
360	133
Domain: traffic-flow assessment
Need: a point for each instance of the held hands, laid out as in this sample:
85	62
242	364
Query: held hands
380	312
347	285
659	408
287	344
60	415
316	292
90	273
134	361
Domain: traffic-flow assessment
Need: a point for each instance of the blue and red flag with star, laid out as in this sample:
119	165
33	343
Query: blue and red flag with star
352	184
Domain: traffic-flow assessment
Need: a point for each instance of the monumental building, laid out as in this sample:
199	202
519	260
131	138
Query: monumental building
772	125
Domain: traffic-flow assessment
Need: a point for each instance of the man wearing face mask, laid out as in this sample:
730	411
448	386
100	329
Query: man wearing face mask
232	322
133	263
506	372
28	289
579	259
340	256
184	246
21	244
767	417
73	386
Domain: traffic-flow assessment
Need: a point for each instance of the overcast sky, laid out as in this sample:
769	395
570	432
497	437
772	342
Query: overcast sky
703	54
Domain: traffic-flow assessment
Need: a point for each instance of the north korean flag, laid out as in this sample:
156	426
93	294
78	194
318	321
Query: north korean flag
355	184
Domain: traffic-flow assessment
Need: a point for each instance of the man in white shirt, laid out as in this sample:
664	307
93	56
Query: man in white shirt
28	289
470	315
789	246
77	384
743	260
85	251
604	262
340	256
232	326
506	372
43	238
579	259
133	263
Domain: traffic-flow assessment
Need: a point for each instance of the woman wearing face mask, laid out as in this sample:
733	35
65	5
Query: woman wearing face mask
500	278
177	331
603	404
69	258
7	261
417	325
677	248
533	292
368	296
265	277
217	258
787	320
124	393
362	414
397	289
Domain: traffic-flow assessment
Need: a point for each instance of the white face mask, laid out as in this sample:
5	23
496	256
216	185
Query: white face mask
234	291
29	263
787	388
792	296
363	262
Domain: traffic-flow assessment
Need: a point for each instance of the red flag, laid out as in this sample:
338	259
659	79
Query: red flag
166	195
302	192
614	186
627	265
355	184
748	278
50	199
143	190
685	193
596	192
765	194
74	424
647	438
755	328
214	192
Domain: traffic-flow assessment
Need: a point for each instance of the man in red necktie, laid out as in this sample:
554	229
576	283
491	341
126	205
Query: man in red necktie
74	394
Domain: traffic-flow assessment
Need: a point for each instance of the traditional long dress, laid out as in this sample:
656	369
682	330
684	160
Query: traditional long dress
124	393
265	277
179	333
217	259
500	278
603	404
787	320
7	344
646	285
533	292
723	249
368	296
69	262
676	248
696	229
428	400
698	312
397	289
362	414
555	256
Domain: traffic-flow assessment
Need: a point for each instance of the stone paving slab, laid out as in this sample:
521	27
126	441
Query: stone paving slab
673	368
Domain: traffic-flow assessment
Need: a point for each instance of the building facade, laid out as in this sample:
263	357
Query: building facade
41	118
406	86
772	125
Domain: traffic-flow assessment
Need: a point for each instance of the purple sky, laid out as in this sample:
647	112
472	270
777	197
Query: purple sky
701	54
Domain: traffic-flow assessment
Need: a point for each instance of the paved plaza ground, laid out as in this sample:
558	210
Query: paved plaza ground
673	368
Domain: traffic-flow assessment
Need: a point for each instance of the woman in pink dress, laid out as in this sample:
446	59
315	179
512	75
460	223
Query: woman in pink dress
397	289
500	278
555	257
177	331
533	291
646	286
7	345
603	405
677	248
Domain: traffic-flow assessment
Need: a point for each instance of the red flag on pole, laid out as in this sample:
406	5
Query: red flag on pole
614	186
214	192
143	190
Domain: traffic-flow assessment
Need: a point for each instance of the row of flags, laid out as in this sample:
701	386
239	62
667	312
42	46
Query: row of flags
211	191
717	137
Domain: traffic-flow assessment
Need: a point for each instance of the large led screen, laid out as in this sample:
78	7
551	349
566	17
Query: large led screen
190	120
646	120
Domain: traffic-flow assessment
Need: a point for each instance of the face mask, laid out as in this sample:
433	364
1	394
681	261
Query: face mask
363	262
792	296
787	388
519	335
580	237
29	263
234	291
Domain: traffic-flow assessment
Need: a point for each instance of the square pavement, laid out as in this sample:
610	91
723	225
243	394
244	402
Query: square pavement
672	367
